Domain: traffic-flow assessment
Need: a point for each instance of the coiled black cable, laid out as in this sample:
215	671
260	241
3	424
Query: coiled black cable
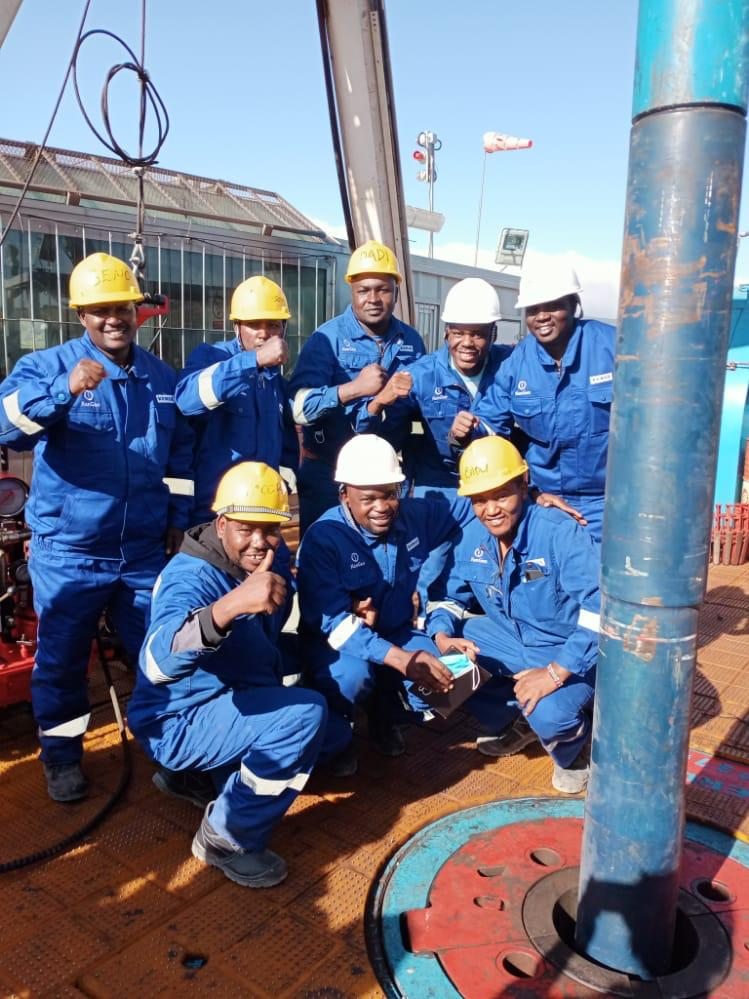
149	97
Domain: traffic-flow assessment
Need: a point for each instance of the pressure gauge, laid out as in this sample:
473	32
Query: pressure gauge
13	495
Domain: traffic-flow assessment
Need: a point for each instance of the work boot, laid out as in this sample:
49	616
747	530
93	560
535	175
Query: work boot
511	740
345	764
574	778
386	737
189	785
65	781
253	869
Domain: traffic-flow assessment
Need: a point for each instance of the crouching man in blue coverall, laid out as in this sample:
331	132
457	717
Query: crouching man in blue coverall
111	493
358	567
209	695
534	573
235	394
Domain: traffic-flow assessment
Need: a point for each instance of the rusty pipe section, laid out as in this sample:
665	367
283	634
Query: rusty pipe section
680	239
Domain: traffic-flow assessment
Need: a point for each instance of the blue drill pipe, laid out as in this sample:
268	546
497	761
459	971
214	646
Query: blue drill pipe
678	259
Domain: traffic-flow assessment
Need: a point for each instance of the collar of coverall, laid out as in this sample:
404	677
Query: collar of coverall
571	351
204	543
360	332
113	369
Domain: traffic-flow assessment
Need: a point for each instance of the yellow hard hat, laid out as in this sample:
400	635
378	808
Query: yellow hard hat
372	258
489	463
100	280
254	492
258	298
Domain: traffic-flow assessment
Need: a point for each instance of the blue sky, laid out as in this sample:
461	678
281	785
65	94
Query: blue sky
243	83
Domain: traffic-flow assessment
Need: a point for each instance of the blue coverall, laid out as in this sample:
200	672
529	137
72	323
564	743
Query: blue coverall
333	356
112	470
563	411
212	700
339	562
437	396
541	606
239	413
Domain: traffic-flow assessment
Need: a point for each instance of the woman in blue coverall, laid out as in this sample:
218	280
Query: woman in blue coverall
557	388
533	572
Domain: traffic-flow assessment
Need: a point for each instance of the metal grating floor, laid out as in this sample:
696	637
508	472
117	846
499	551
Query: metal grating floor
130	912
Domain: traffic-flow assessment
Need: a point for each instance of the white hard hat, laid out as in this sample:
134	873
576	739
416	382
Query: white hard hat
546	281
368	460
472	301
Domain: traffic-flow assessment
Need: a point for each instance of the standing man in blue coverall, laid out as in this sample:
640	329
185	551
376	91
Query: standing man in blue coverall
358	566
111	494
342	365
534	573
443	390
557	387
209	696
236	395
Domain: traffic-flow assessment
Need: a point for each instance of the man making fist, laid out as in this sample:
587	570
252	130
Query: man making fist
111	493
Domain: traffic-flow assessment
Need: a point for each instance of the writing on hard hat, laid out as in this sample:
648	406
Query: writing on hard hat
258	298
100	279
368	460
372	258
546	281
254	492
489	463
473	302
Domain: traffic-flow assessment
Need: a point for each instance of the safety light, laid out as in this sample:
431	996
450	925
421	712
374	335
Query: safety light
420	156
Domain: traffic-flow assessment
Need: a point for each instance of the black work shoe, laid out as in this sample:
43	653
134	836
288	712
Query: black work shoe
386	738
344	765
260	869
189	785
65	781
511	740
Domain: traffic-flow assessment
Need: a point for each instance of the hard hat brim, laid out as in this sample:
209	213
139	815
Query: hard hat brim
371	485
528	300
252	514
360	274
281	314
490	482
115	298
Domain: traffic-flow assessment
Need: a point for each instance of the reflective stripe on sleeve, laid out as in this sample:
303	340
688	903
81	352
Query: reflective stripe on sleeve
298	408
69	729
205	387
455	609
153	671
587	619
343	631
180	487
16	417
263	785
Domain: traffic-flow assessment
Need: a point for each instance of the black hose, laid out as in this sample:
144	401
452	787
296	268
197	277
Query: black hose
127	768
